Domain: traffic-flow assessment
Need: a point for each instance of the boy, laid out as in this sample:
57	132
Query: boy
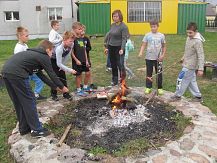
16	79
22	35
79	60
193	61
88	49
63	52
54	36
156	49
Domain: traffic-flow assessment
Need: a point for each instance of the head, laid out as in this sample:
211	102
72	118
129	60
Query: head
77	27
22	34
117	16
154	26
83	30
55	25
68	38
47	46
191	29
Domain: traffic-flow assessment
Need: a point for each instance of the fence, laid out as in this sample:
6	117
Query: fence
211	23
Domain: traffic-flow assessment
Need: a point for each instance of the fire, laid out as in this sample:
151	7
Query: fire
117	101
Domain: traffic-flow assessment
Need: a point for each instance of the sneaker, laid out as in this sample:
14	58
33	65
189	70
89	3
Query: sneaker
25	132
41	133
174	98
197	99
147	90
81	93
160	91
114	84
88	89
93	86
54	97
67	96
108	69
40	97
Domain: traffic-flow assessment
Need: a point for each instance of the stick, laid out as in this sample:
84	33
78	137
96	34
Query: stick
59	144
150	98
153	145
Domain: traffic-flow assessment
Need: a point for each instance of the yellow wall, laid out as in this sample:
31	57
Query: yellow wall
169	22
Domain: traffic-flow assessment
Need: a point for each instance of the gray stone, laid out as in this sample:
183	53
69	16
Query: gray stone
188	129
152	152
197	158
175	153
187	144
160	159
30	147
208	150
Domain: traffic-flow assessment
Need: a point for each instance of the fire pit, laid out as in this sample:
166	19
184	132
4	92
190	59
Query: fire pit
125	118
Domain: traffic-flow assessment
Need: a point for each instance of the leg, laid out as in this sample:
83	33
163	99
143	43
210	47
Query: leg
193	87
78	81
56	70
87	78
38	84
121	66
113	64
158	69
149	71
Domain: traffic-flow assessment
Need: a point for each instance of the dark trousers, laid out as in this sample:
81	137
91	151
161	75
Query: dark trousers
117	63
24	102
149	70
60	73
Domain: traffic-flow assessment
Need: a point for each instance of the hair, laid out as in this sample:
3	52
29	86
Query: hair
68	34
192	26
45	44
20	30
83	26
53	23
119	14
154	22
76	25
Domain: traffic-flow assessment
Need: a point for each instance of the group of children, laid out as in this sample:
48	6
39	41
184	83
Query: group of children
52	56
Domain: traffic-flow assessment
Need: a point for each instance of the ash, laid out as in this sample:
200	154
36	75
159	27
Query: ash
118	118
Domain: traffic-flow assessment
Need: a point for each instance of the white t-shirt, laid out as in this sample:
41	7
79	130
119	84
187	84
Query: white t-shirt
20	47
55	38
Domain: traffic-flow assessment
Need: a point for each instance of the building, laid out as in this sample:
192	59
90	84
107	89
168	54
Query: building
36	16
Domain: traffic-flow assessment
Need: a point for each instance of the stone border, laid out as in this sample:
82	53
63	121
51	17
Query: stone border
198	144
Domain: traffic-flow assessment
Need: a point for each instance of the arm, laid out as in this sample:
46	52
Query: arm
59	61
88	46
142	49
46	80
75	59
124	33
161	57
200	57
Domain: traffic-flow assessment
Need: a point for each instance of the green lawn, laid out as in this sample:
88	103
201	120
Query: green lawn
175	48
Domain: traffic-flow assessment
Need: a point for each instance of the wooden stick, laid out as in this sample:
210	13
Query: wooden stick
59	144
150	98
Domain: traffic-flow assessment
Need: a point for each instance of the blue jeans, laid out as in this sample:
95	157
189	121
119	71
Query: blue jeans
38	83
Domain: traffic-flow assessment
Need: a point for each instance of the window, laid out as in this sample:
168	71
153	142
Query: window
144	11
12	16
55	13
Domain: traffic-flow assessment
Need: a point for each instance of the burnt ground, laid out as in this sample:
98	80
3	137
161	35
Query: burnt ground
161	126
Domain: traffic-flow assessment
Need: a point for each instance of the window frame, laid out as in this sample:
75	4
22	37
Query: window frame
12	13
144	1
55	13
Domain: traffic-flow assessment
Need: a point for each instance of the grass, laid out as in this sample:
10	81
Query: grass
175	49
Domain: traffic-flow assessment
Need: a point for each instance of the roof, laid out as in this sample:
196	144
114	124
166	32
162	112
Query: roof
191	2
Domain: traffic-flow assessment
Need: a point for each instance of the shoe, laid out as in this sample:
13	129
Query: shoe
88	89
93	86
40	97
147	90
25	132
130	77
54	97
197	99
67	96
81	93
108	69
160	91
174	98
41	133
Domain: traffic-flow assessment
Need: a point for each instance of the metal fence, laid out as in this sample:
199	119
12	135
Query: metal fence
211	23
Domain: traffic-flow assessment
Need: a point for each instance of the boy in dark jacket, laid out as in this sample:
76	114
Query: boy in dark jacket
16	73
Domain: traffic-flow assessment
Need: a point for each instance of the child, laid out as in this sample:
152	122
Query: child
54	36
108	62
88	49
23	37
63	52
156	49
193	60
16	79
128	47
79	60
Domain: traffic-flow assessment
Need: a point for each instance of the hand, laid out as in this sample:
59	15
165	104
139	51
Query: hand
106	51
65	89
182	60
160	59
78	62
140	55
121	52
87	64
73	71
199	73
